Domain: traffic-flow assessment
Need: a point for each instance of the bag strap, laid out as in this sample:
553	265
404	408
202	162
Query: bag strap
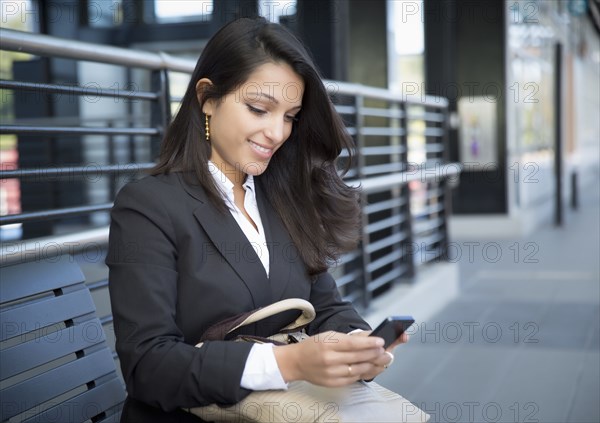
220	330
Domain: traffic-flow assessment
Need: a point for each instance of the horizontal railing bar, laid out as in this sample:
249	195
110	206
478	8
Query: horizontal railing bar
57	172
434	193
47	248
382	131
106	120
384	168
348	277
380	150
386	278
347	257
434	148
422	227
351	174
79	90
373	111
426	254
427	132
381	93
431	255
433	208
45	45
422	174
384	205
429	117
433	132
385	260
428	240
435	163
87	209
345	110
75	130
352	297
53	214
384	223
385	242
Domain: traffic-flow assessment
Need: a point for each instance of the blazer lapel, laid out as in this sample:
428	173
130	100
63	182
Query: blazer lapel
278	243
230	240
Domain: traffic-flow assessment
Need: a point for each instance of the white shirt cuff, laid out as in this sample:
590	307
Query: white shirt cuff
355	331
261	372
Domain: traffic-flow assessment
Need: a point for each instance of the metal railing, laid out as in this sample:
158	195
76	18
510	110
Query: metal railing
401	163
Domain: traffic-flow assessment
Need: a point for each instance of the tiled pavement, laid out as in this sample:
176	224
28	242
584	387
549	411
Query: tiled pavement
520	343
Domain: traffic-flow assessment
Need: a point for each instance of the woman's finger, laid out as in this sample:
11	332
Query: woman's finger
355	371
361	356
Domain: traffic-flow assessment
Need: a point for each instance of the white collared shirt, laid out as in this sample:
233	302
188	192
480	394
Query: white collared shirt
256	238
261	371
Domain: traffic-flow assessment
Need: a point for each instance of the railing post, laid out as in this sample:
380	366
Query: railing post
395	191
444	186
360	143
407	246
161	109
110	140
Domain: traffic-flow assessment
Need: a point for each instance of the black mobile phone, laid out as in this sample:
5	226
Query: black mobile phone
392	327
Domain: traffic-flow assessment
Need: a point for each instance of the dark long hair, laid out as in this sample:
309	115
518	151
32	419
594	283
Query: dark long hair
301	182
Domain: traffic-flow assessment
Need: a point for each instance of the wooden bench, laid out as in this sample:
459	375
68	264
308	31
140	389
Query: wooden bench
55	365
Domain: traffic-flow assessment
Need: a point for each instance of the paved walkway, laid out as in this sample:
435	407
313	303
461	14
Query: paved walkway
521	341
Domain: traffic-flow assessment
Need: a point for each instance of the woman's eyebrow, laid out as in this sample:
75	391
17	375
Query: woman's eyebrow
261	94
268	97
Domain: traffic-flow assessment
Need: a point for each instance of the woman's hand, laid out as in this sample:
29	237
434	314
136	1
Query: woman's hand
381	362
331	359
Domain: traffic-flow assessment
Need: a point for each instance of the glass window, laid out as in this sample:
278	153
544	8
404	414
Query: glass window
406	67
22	15
273	10
105	13
406	45
177	10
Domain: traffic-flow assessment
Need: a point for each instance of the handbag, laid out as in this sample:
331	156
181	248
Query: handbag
303	402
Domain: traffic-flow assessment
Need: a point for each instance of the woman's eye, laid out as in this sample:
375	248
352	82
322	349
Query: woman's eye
291	118
255	110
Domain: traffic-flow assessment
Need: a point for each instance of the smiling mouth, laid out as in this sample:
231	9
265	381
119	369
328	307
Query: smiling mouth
260	148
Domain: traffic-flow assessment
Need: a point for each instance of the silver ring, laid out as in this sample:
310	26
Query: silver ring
349	370
385	366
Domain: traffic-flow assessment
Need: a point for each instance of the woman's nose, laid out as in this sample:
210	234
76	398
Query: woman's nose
275	129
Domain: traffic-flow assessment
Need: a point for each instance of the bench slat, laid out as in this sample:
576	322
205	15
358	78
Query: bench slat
84	406
38	389
41	276
113	418
46	348
20	320
31	313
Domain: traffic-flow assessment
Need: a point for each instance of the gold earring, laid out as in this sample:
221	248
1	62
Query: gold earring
206	128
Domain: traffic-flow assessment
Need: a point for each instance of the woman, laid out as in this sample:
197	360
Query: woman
244	208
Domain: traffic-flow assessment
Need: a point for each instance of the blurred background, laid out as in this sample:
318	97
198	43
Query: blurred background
477	132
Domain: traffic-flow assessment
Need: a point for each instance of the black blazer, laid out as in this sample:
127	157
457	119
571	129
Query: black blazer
177	266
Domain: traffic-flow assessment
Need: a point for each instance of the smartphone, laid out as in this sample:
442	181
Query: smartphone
392	327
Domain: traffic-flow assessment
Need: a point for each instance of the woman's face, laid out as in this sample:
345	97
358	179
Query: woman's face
250	124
